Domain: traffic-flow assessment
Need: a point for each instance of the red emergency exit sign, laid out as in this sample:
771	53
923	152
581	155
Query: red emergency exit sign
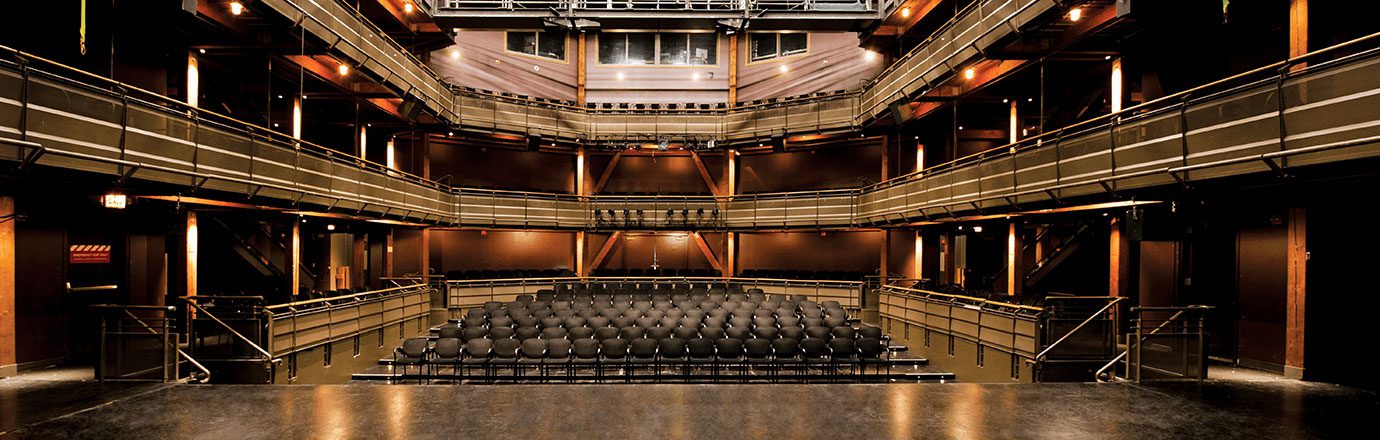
88	254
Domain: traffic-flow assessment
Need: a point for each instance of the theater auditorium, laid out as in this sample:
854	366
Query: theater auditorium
708	219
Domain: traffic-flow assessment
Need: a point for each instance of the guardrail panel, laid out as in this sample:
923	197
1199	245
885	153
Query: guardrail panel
1237	125
1336	107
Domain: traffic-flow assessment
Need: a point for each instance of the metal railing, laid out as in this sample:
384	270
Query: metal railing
1230	127
467	294
303	325
119	346
215	341
691	6
1179	344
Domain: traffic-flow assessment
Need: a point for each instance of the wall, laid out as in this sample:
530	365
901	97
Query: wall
673	250
502	168
670	174
478	250
846	251
834	62
479	60
484	63
808	170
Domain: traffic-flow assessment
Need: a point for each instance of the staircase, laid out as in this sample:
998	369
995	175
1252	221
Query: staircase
263	250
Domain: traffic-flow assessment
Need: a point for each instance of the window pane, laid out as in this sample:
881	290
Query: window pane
552	45
612	47
524	42
704	49
641	49
673	49
792	44
763	46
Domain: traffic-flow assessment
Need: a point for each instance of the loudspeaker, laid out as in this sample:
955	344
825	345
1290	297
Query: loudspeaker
900	112
1135	224
1123	8
410	109
189	6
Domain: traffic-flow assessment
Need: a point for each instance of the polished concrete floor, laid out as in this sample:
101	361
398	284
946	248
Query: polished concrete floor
1215	409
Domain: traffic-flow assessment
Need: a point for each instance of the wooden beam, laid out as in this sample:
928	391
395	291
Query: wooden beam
193	241
1298	287
604	251
580	163
704	173
732	171
731	248
608	172
580	70
9	359
886	158
294	263
1118	265
708	253
886	254
1015	266
732	70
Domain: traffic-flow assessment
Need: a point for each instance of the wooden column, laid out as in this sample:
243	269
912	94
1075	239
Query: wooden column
1015	264
580	66
1297	289
388	254
886	254
1298	31
919	256
193	242
732	70
297	117
731	171
359	261
580	254
731	249
1118	265
1117	88
294	263
8	356
1015	123
886	158
193	80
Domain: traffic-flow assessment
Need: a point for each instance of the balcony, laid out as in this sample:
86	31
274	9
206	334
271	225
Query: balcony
766	14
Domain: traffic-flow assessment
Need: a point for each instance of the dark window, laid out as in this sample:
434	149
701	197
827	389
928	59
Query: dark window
766	46
545	44
667	49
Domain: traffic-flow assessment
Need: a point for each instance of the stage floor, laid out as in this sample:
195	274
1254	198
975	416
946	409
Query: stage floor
1215	409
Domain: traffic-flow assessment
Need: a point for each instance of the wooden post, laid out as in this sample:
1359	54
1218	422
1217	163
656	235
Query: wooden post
9	359
886	253
1298	31
1298	287
1117	89
580	75
732	70
919	256
1117	264
359	262
731	269
1015	266
580	254
193	242
193	80
580	164
1015	122
297	117
294	263
886	158
731	172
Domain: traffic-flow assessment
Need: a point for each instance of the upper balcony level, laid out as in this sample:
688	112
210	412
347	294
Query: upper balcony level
763	14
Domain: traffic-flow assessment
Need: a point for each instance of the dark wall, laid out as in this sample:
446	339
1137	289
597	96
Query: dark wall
671	250
653	174
503	168
807	170
477	250
847	251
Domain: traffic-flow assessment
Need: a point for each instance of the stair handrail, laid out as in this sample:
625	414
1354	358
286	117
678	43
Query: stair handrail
205	373
1101	373
1043	353
191	302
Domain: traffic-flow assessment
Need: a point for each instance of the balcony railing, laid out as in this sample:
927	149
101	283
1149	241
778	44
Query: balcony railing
690	6
1231	127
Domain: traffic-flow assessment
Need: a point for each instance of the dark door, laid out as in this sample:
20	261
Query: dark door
1261	283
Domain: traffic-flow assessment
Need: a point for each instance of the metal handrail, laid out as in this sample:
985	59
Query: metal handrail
205	373
1041	355
359	295
971	300
1102	373
191	301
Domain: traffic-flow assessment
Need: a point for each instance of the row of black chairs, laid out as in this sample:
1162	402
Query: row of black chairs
643	359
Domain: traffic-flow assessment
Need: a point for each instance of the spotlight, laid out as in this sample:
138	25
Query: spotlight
330	227
905	13
783	68
620	76
977	229
455	54
869	56
407	8
1075	14
236	8
969	74
201	51
344	69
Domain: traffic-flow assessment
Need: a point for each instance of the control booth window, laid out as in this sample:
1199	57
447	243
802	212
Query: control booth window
545	44
665	49
766	46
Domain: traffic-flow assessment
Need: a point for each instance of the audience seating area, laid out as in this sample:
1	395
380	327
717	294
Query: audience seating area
680	335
